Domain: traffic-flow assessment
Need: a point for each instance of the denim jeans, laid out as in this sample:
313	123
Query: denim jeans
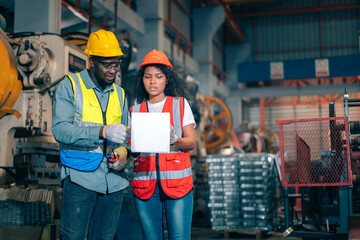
178	213
87	211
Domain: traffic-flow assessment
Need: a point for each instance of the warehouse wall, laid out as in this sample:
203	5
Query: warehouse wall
306	35
300	36
297	112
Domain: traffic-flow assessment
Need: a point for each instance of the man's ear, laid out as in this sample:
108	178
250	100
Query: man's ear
92	62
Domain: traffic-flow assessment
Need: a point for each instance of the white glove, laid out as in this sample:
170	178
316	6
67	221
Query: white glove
116	132
121	152
173	136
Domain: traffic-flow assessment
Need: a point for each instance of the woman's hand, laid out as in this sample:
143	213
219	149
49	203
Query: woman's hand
187	142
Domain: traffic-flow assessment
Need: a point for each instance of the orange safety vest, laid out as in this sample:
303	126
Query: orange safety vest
173	169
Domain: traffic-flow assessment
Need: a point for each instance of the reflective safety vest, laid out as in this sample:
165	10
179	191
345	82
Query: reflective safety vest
173	169
88	112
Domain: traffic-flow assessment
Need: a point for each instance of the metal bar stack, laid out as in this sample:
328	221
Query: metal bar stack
26	207
257	181
242	191
224	199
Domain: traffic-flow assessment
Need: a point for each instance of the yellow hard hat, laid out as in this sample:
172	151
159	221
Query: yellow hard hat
103	43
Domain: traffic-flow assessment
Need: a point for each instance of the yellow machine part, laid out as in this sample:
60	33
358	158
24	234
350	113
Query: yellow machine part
220	127
10	85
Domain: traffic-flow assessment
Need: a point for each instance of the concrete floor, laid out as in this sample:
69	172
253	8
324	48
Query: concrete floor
205	233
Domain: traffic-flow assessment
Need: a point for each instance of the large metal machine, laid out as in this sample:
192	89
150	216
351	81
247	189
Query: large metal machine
31	65
319	159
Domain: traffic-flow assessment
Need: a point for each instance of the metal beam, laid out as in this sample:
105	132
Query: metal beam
297	91
231	22
296	11
239	2
79	13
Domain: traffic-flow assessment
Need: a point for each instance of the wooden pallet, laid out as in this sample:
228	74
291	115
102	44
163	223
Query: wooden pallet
259	233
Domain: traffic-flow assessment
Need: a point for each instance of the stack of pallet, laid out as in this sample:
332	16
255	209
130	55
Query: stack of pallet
242	191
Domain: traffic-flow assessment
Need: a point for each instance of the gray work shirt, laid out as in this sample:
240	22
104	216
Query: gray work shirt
102	180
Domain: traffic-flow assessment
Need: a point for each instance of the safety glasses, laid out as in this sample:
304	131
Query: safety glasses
109	65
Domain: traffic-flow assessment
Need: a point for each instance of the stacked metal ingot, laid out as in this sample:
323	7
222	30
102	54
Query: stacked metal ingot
224	199
242	191
257	185
26	207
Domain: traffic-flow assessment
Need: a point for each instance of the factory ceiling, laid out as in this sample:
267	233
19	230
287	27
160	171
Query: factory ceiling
77	13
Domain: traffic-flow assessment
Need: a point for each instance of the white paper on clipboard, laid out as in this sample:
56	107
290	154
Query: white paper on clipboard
150	132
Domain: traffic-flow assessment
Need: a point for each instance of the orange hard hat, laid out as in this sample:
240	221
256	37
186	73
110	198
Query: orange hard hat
156	57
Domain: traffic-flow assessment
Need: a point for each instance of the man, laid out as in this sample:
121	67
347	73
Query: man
90	115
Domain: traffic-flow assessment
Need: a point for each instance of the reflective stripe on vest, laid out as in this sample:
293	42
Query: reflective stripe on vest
175	166
88	112
145	175
176	174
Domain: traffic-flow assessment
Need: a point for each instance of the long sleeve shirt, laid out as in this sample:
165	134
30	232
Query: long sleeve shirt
103	179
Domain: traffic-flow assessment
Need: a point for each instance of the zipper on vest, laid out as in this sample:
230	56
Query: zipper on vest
104	119
157	169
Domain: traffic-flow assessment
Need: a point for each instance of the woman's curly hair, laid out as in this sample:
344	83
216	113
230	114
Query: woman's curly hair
175	86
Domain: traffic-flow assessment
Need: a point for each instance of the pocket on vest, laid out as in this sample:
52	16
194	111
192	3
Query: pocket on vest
141	165
92	112
175	171
140	183
175	162
115	119
141	173
177	183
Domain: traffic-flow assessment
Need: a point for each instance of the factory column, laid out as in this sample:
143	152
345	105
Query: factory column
153	14
206	22
235	54
37	16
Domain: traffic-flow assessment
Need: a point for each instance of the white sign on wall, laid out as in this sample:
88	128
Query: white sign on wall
322	68
276	70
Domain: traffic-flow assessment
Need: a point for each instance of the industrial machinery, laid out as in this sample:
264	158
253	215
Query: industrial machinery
31	65
218	132
318	163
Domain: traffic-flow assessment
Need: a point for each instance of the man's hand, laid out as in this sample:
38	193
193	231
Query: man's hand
173	136
116	132
122	153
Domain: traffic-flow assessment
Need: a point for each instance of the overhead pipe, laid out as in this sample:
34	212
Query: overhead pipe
170	11
115	15
90	17
255	92
297	11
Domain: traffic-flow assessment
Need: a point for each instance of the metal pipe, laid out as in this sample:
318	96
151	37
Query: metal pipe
262	112
297	11
90	17
297	91
354	105
115	13
286	208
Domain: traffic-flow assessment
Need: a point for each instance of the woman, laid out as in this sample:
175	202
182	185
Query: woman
164	180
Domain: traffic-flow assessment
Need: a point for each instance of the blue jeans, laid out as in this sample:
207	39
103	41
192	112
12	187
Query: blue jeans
178	213
87	211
